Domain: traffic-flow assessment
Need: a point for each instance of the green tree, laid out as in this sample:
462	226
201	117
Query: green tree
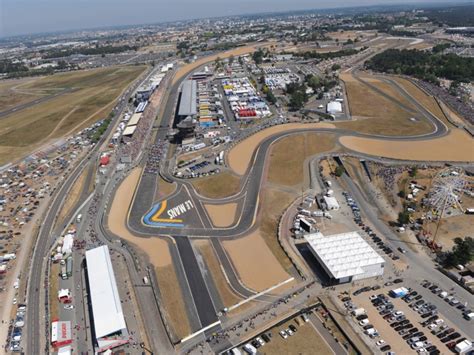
271	97
313	82
258	56
403	217
335	67
462	252
297	101
413	172
218	62
339	170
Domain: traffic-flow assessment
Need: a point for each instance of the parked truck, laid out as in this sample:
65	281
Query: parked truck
398	292
66	268
358	312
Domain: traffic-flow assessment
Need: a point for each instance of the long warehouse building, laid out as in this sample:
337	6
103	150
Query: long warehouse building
345	257
188	101
107	315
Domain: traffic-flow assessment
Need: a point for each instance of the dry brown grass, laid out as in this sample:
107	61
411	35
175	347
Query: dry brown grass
11	95
53	291
273	204
375	114
228	297
456	146
451	228
343	35
94	93
222	215
221	185
172	300
256	265
425	100
73	196
239	156
164	188
389	90
305	341
287	156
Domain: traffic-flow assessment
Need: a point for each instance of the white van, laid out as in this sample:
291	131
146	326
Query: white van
443	294
249	348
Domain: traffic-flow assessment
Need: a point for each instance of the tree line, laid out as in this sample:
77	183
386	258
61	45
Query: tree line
327	55
98	50
424	65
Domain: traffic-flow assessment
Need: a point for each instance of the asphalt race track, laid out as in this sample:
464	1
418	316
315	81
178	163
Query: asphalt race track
253	178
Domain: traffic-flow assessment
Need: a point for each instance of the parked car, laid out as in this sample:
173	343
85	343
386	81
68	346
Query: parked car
386	348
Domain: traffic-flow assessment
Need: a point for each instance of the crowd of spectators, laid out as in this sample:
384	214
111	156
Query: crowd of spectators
133	146
155	153
463	109
388	175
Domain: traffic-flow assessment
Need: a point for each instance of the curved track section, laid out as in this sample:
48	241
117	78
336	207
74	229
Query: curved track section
146	216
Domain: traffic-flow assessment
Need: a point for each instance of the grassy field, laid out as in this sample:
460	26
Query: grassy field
289	153
91	97
375	114
305	341
217	186
12	93
172	300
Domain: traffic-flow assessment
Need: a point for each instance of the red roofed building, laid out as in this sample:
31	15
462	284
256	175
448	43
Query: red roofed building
104	160
61	333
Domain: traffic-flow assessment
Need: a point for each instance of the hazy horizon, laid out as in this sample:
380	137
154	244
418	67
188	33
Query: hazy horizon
20	17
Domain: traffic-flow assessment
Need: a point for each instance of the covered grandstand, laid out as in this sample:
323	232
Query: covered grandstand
107	317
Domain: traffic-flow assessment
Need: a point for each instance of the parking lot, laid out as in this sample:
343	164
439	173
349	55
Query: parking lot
295	336
404	320
16	329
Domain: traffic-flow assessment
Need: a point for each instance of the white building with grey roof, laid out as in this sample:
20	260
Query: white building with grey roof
345	257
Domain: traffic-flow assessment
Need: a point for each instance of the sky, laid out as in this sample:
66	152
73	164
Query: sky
37	16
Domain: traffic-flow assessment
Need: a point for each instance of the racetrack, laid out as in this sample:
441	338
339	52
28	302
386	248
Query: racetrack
249	159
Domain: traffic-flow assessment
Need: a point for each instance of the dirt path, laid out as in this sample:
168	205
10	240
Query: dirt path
240	155
156	248
222	215
50	135
456	146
